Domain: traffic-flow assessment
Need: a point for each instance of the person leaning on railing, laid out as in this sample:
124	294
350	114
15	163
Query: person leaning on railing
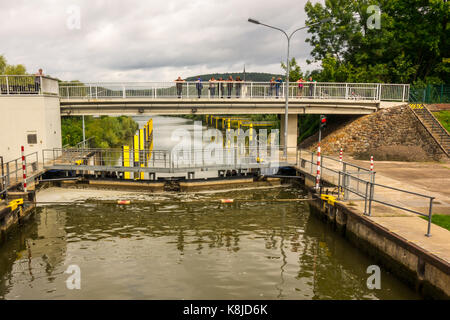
229	86
179	84
199	87
300	86
271	86
212	87
220	87
238	86
311	86
37	80
278	83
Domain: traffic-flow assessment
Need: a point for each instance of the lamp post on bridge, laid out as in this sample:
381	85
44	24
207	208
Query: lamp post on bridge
288	37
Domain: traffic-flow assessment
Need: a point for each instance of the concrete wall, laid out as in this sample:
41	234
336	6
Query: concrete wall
396	126
292	132
421	270
21	115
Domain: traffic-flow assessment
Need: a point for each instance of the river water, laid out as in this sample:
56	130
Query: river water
185	246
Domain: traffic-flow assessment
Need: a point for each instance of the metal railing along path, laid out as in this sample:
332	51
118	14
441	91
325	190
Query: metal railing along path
235	89
112	160
334	166
12	172
87	143
432	125
350	182
28	85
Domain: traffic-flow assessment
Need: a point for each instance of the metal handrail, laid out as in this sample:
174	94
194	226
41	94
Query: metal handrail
368	194
246	89
439	138
17	166
28	84
147	160
312	153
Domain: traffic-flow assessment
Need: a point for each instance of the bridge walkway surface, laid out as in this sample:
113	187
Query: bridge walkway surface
431	179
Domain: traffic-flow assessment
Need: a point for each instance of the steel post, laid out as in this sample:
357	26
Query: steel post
430	213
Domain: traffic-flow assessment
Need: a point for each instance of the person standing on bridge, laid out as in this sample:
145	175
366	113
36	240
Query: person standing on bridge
199	87
229	86
271	86
220	87
179	84
277	86
238	86
311	87
300	86
37	80
212	87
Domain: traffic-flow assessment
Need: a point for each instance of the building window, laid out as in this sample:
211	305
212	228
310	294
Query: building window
32	138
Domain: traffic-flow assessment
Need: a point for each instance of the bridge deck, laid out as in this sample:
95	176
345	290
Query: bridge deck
132	106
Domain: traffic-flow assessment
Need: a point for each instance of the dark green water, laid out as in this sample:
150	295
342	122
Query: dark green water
165	249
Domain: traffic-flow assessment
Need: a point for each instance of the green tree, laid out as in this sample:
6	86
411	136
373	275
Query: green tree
10	69
410	45
2	64
108	132
295	72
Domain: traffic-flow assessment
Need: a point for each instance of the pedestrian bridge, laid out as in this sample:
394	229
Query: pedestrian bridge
227	97
31	106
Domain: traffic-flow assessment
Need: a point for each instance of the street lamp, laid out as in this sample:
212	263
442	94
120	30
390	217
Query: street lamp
288	37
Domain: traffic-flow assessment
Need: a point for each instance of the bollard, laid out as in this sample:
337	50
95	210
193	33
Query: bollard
318	168
340	155
24	168
371	163
430	214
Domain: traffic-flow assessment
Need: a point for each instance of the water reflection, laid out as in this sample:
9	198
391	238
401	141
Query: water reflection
174	250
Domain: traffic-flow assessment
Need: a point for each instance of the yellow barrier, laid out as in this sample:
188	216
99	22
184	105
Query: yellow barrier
416	106
328	198
15	203
141	149
126	160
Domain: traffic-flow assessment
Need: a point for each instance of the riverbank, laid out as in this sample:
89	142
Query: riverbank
394	237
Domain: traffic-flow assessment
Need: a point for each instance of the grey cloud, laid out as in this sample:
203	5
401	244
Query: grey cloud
150	40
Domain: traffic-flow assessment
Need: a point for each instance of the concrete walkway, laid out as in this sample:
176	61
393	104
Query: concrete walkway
431	179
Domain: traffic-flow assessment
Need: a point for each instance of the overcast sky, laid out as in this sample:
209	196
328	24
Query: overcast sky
149	40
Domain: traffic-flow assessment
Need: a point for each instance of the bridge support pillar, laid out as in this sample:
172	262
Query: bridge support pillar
292	132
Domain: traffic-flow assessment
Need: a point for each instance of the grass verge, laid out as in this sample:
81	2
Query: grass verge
444	118
441	220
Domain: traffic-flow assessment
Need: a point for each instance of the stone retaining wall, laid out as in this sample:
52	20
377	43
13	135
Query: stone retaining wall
387	127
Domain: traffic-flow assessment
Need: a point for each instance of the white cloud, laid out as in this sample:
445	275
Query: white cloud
150	40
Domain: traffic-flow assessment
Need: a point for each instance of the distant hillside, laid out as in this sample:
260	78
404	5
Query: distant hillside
249	76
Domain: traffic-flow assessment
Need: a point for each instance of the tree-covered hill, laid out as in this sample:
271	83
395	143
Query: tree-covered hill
249	76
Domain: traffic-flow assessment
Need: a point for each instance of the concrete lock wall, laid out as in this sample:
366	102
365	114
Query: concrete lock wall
421	270
23	115
292	131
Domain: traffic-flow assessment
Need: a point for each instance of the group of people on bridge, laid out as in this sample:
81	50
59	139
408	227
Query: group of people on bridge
230	83
219	84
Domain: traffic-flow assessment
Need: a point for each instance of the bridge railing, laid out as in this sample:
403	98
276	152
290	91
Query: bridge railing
98	159
28	85
235	89
13	169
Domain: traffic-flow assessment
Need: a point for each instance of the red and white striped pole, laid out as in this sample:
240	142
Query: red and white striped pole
371	163
318	168
24	168
340	155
